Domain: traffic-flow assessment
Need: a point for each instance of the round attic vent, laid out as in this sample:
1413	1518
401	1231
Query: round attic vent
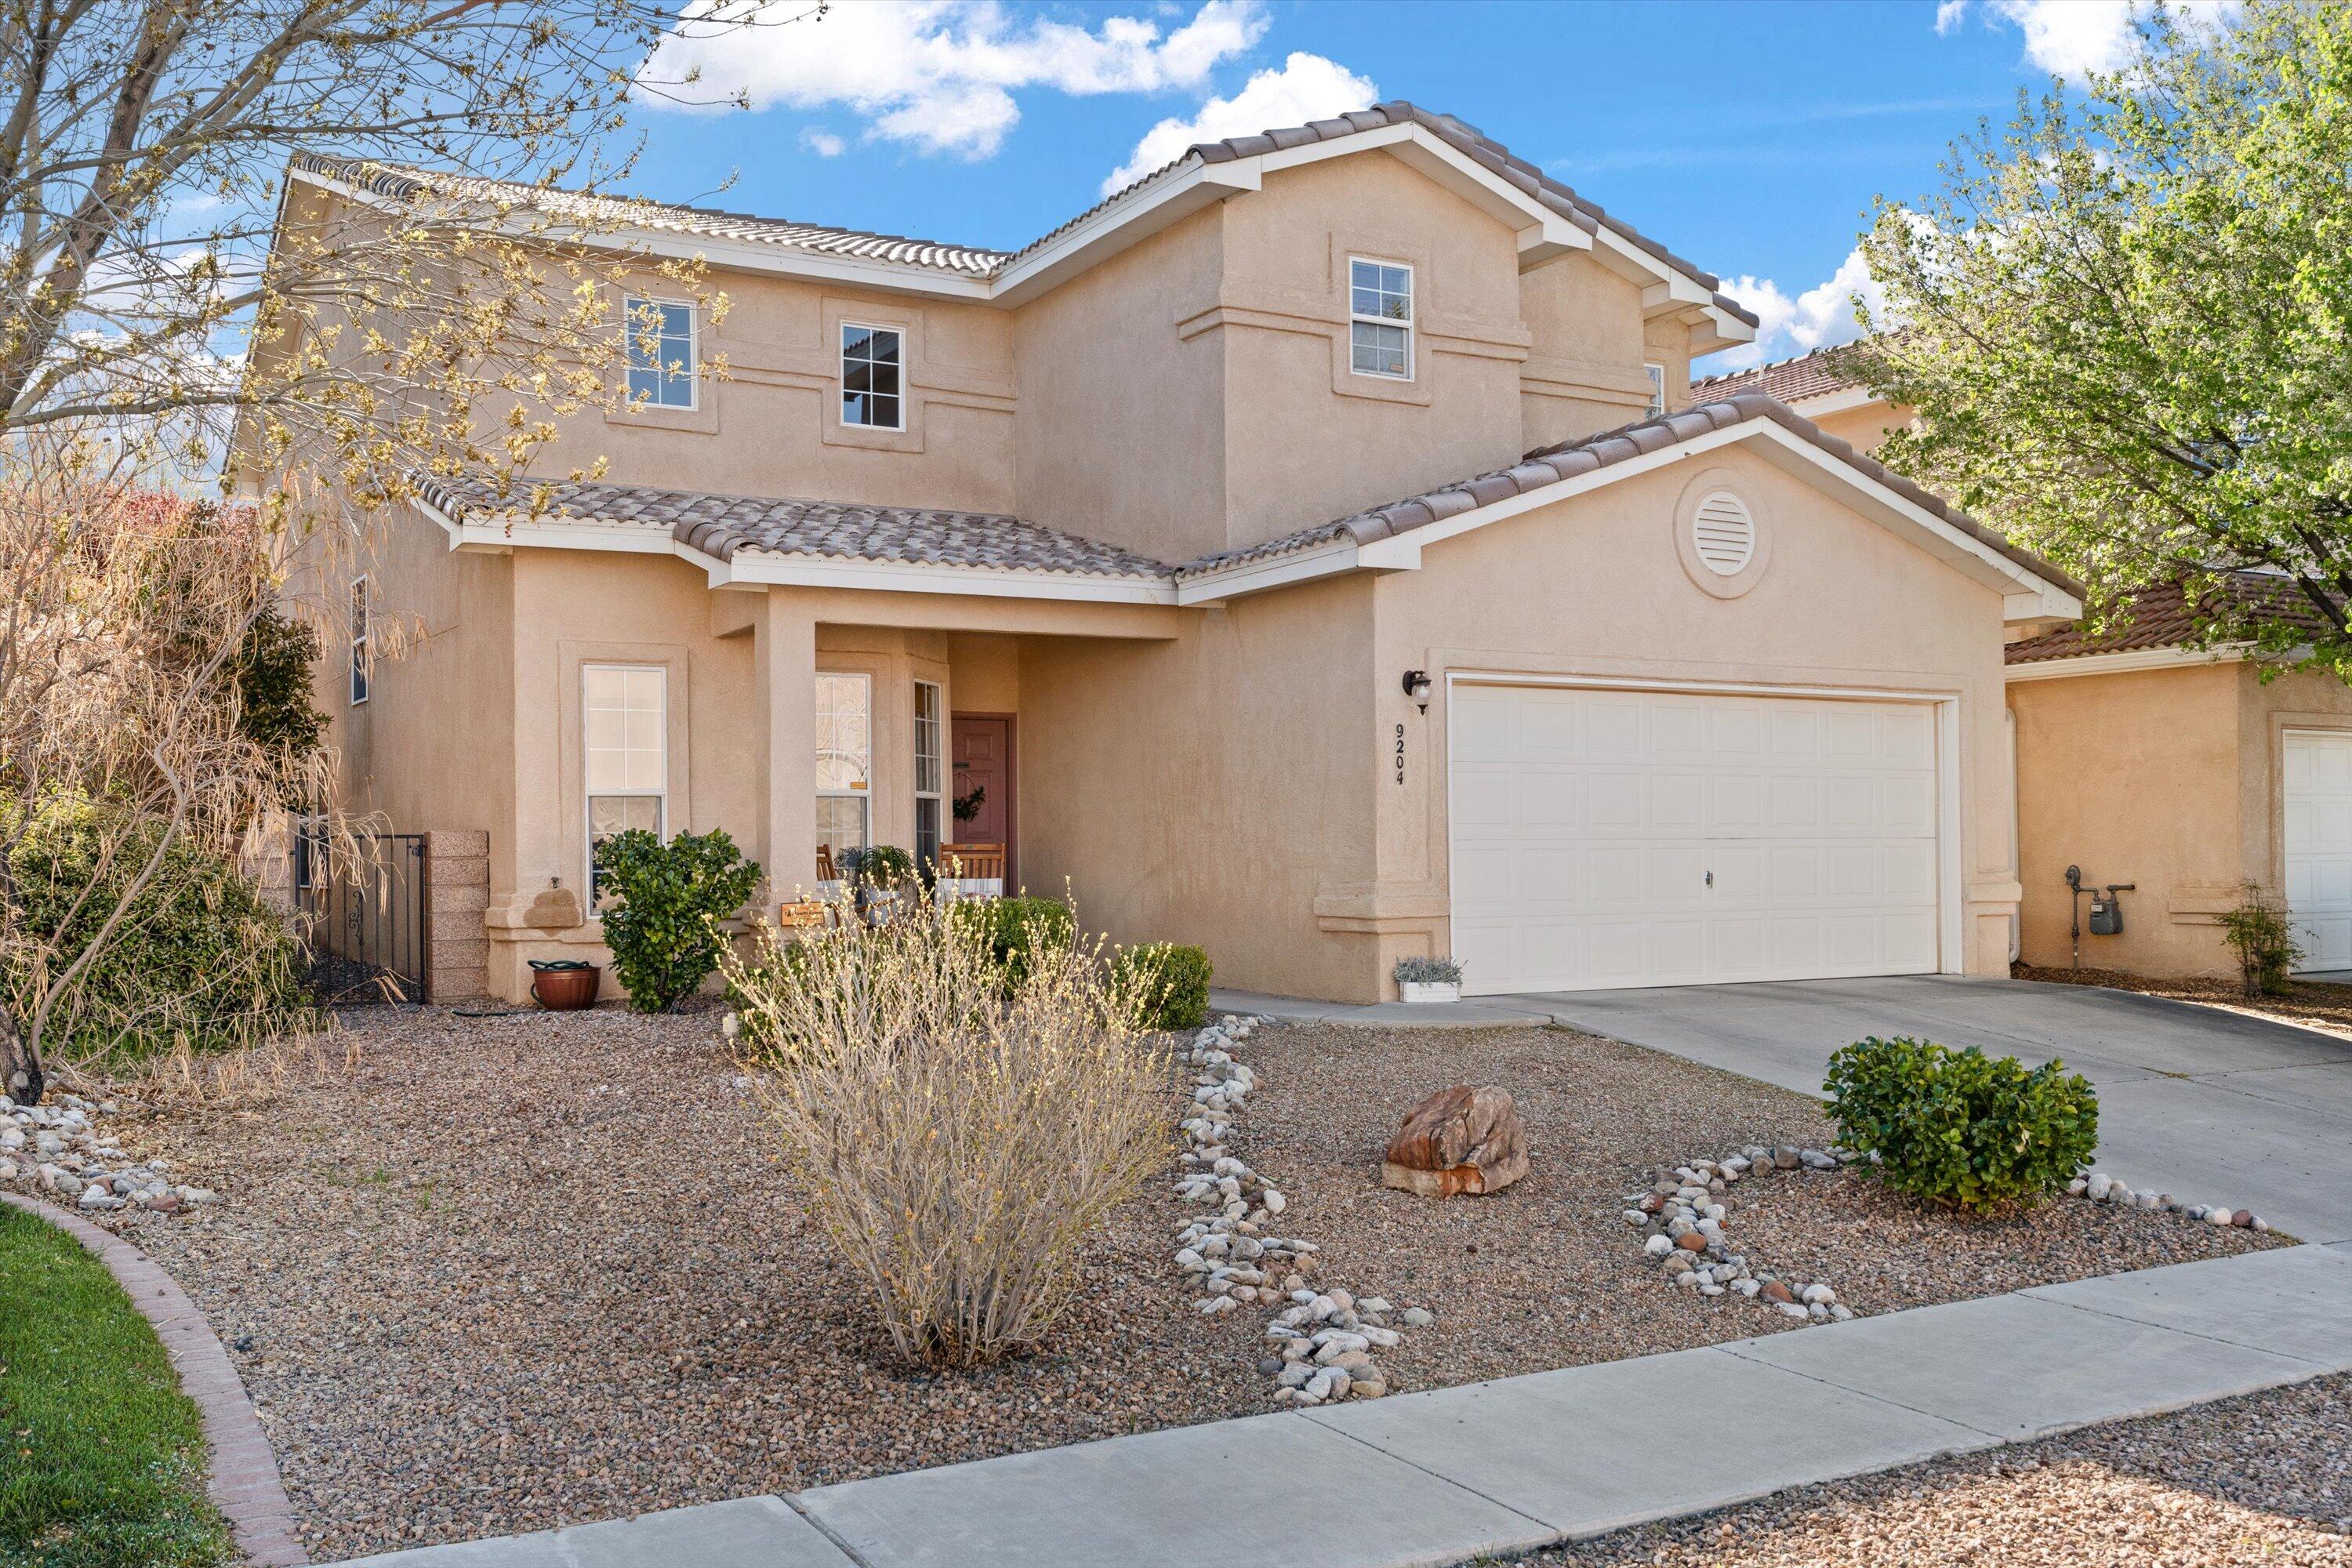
1724	532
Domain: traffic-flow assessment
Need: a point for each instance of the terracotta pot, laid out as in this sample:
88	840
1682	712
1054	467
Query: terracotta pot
566	990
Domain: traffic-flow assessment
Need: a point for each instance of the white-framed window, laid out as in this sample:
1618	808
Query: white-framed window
1657	373
930	774
1379	312
873	376
623	721
661	353
363	642
845	762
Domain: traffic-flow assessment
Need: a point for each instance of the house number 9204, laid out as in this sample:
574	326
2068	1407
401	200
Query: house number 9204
1399	753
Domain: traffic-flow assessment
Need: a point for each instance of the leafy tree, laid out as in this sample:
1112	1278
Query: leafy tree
175	309
665	901
2126	325
273	685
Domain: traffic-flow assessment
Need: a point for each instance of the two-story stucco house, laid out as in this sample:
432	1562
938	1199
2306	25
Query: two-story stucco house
2185	774
1310	553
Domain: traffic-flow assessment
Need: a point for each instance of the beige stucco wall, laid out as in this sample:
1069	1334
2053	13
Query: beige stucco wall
429	749
1122	408
1864	427
772	426
2167	778
1587	347
2135	778
1210	789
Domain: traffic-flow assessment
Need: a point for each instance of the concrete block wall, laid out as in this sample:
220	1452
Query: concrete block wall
456	894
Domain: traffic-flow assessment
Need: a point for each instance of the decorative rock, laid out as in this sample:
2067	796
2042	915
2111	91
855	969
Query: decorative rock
1691	1241
1658	1246
1460	1140
1776	1292
1418	1318
1817	1295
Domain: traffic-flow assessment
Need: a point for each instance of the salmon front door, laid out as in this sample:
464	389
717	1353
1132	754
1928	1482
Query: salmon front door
983	787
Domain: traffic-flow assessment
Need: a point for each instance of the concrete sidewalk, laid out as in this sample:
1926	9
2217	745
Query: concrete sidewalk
1440	1477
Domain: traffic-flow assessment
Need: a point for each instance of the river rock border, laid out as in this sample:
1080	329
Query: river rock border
62	1151
2102	1188
240	1472
1681	1218
1323	1339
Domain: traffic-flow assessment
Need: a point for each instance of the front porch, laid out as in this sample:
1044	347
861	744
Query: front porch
805	724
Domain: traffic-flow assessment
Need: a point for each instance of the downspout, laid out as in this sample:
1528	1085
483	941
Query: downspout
2016	866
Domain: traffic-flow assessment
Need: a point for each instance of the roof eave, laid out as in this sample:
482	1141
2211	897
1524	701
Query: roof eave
2027	597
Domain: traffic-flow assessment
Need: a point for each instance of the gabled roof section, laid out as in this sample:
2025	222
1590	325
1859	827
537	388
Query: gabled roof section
2165	615
1816	373
604	214
1391	535
743	538
1556	218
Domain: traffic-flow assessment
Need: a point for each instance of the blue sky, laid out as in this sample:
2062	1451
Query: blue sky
1750	137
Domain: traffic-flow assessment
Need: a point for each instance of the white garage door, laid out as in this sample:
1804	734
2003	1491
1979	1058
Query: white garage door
1613	839
2318	821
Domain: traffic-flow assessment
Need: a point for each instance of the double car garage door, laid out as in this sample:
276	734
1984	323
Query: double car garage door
1616	838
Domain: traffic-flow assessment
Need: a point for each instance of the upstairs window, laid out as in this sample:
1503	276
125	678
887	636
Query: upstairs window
1380	310
363	642
1657	387
872	383
661	354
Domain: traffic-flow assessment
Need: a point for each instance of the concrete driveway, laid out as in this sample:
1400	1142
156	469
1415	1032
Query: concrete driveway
2210	1106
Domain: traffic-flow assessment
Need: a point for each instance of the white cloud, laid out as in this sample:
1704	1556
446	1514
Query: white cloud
823	144
1307	87
2073	38
938	75
1818	318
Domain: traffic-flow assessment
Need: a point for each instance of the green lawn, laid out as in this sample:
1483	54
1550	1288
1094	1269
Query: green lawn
101	1455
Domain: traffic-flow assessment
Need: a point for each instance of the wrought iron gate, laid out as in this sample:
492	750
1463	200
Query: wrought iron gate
362	915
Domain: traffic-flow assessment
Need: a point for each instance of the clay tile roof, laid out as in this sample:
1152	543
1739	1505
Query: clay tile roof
1605	450
722	525
2164	616
1810	374
405	184
606	212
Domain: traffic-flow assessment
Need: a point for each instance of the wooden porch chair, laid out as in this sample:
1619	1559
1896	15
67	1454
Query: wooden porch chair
975	869
825	871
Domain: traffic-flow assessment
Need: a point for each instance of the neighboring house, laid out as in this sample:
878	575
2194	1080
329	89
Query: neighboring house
1296	550
2145	759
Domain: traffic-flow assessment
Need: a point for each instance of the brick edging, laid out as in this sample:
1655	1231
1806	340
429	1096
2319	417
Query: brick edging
242	1472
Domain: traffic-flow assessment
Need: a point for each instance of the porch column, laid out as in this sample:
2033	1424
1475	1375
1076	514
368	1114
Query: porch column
786	651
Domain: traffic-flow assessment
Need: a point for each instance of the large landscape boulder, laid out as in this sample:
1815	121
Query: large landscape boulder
1460	1140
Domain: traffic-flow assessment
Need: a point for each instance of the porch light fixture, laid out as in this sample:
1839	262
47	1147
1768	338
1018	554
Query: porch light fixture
1416	686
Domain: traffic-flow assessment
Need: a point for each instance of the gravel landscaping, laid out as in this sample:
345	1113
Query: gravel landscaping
499	1274
2313	1004
2266	1478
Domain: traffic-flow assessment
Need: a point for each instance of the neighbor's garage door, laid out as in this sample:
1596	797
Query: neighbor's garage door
1613	838
2319	845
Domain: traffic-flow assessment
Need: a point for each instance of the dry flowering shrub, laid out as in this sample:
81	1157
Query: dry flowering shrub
960	1138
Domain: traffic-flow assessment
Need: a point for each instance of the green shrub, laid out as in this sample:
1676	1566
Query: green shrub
1018	927
1167	984
1961	1127
881	866
665	903
2264	939
197	960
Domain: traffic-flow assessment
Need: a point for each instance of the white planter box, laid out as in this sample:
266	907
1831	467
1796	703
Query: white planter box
1431	990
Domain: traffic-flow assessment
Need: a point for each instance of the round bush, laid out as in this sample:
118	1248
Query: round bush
1166	984
1961	1127
198	959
